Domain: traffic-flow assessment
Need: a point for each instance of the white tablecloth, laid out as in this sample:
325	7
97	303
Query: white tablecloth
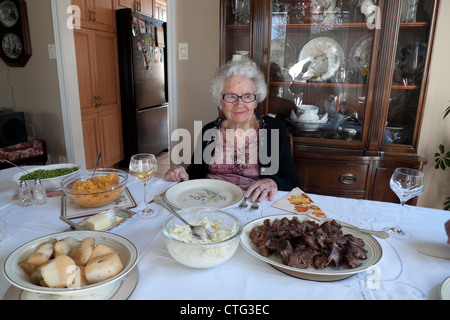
403	273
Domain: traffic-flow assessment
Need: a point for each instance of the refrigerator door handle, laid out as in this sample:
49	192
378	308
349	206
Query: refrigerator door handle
151	108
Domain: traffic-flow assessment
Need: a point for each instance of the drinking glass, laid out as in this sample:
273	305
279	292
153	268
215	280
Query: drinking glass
407	184
143	167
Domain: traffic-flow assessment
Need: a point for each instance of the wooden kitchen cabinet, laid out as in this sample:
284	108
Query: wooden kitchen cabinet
142	6
160	10
367	79
99	89
97	14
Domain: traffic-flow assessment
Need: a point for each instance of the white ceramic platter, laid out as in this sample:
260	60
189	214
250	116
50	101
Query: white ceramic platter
330	273
323	47
204	193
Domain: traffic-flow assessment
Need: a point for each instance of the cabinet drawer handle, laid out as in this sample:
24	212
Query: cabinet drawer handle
348	178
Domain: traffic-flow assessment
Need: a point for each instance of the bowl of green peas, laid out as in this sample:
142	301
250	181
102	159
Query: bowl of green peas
50	176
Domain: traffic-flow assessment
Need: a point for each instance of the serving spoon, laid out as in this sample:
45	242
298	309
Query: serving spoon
17	166
96	164
198	232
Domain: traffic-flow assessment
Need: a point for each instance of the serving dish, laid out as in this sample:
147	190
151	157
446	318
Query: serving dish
309	124
117	216
96	197
204	193
49	184
118	290
326	55
200	253
374	254
18	277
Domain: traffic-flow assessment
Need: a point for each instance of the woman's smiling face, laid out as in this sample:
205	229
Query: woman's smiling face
239	113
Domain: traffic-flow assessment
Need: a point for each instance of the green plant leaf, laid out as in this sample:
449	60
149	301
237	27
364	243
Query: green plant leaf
441	149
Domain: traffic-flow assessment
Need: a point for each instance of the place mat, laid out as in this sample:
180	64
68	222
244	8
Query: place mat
71	210
298	202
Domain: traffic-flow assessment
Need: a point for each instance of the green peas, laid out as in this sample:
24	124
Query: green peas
48	174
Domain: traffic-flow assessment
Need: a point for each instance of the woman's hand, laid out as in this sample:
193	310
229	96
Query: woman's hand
260	190
177	174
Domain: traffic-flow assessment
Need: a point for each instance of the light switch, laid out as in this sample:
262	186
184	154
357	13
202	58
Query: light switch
183	51
51	51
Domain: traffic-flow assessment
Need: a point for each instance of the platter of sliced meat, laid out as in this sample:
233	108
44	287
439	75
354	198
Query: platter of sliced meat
303	248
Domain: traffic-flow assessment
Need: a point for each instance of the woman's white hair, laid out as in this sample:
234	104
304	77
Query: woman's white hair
243	68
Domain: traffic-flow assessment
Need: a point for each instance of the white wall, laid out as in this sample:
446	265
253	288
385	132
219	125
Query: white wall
35	87
435	130
198	25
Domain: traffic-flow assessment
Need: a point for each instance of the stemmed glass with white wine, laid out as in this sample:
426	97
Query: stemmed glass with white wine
143	167
407	184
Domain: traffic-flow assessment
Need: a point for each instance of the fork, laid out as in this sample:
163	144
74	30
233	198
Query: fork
243	204
255	206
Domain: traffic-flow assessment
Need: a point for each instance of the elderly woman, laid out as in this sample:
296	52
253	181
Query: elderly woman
247	149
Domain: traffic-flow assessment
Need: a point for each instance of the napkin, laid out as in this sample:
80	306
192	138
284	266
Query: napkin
298	202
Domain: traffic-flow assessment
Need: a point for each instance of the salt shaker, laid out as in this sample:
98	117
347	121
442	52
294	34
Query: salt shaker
39	194
25	197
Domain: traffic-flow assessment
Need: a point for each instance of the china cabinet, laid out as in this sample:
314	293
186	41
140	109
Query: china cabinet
359	66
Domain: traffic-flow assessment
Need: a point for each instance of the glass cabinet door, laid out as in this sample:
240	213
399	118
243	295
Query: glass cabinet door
237	30
320	66
407	92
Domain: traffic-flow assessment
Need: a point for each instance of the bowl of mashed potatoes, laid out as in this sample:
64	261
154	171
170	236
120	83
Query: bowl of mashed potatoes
99	190
224	230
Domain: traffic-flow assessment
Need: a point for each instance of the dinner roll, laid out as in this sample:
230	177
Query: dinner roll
82	252
103	268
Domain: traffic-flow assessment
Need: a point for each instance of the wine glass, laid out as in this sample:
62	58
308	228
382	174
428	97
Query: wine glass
407	184
143	167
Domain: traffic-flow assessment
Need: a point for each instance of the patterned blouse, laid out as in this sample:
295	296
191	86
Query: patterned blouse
238	163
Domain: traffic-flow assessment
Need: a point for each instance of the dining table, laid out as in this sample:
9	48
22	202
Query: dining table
402	273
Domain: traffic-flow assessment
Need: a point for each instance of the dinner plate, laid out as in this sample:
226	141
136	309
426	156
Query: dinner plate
317	48
204	193
361	54
374	254
445	290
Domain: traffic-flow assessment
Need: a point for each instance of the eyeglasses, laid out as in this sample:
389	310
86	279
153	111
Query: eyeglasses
246	98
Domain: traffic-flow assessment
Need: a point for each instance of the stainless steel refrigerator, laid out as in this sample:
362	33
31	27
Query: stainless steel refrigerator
143	82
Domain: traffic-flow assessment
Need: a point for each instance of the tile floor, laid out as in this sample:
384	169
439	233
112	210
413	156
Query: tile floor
163	164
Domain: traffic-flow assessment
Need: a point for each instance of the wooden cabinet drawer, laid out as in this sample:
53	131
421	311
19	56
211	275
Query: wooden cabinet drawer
326	177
